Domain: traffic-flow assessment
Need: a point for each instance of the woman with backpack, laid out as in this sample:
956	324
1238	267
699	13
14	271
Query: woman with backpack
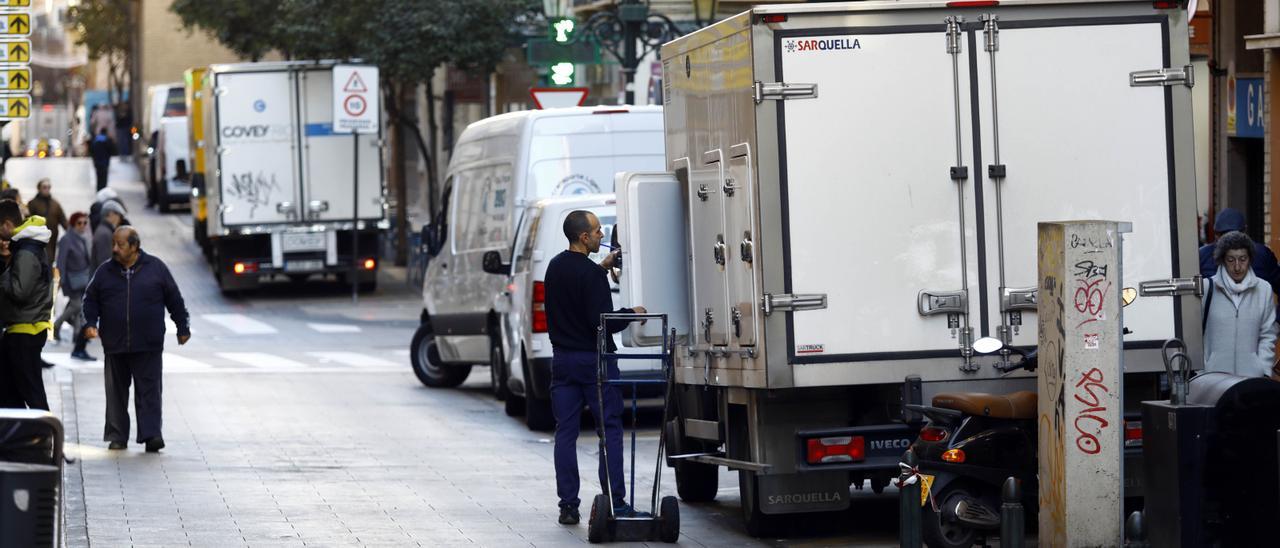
1239	315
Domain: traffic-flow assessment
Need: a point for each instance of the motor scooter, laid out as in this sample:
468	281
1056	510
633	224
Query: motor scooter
970	445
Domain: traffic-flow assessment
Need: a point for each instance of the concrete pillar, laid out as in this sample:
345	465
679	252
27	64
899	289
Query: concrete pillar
1080	383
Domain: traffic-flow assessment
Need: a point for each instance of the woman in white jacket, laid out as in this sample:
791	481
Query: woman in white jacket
1239	315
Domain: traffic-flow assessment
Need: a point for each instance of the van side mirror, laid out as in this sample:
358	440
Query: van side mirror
492	263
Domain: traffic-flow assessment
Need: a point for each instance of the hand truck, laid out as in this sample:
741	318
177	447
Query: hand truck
662	521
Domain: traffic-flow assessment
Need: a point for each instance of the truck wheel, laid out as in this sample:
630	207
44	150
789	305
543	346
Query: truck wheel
696	481
514	406
426	362
498	373
537	414
757	522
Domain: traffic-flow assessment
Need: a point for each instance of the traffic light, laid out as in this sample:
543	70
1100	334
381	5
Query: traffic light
562	74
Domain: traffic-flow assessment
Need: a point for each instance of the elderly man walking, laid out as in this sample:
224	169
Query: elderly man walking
125	304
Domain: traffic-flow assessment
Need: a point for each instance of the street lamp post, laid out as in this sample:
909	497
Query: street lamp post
629	32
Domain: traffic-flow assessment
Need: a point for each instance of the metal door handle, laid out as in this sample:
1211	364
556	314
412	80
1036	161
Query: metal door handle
720	250
318	206
286	207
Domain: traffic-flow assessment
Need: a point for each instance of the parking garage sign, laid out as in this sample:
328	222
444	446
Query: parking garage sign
355	99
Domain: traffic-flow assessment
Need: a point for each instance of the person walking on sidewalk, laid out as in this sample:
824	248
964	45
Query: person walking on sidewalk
577	294
55	219
1239	318
26	298
73	262
103	236
95	211
125	304
102	149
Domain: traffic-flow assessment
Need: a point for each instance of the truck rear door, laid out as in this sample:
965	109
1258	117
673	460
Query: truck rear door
872	216
256	147
1075	141
328	178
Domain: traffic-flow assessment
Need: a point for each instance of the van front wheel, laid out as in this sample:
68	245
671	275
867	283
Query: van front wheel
427	365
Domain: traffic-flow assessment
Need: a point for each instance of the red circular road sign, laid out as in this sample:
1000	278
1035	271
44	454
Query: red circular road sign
354	105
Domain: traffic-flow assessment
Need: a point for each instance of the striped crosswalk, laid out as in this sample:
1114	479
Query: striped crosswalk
266	362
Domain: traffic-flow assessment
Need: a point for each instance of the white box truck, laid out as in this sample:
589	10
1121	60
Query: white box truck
859	185
280	183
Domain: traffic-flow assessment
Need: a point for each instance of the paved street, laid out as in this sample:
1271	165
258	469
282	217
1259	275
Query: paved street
292	419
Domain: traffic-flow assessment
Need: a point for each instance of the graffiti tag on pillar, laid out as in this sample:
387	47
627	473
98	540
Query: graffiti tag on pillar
1089	422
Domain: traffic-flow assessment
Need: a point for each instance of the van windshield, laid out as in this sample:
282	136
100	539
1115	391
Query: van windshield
175	103
571	155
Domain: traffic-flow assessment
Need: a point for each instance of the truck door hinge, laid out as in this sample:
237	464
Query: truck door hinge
781	91
787	302
1163	77
953	33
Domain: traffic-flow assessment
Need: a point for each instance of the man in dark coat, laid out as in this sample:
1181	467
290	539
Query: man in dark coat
1264	261
102	149
26	298
55	219
124	305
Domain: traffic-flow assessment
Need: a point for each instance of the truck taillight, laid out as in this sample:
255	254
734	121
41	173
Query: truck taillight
973	4
837	449
244	268
369	264
539	307
1133	433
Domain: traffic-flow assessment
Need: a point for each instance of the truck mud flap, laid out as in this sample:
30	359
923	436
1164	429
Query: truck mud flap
808	492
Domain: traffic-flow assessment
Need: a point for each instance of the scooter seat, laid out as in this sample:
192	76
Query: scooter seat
1015	405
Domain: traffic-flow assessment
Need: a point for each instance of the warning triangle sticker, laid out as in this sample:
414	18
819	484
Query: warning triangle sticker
355	84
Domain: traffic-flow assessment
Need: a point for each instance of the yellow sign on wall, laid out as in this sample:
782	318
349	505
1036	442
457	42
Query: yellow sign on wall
15	107
15	79
15	3
18	51
15	24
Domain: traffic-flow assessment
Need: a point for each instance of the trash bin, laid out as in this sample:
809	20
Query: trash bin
28	504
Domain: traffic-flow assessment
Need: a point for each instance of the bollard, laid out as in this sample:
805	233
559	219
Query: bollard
1013	522
1135	531
909	534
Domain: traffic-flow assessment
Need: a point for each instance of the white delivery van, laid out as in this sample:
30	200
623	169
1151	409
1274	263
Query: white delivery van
281	186
856	211
168	149
521	366
499	166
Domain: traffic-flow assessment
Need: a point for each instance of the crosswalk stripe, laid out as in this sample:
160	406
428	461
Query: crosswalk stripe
334	328
262	359
240	324
354	359
182	363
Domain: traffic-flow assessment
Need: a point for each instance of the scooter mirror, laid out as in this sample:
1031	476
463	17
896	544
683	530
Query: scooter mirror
987	345
1127	296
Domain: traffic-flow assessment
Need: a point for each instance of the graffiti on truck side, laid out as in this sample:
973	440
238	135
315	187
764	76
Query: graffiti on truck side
253	189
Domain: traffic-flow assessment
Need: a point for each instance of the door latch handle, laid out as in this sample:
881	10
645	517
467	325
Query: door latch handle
286	207
745	248
728	186
930	303
703	192
1023	298
318	206
719	250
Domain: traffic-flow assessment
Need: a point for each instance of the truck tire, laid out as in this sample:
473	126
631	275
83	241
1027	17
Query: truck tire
514	406
758	524
696	481
426	362
537	414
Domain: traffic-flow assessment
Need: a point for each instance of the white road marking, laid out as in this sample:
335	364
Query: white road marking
240	324
334	328
179	362
262	360
354	359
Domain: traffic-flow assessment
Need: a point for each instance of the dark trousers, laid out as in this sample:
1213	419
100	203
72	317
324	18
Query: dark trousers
20	382
101	171
144	369
573	385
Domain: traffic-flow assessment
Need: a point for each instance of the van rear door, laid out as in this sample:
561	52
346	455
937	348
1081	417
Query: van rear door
257	155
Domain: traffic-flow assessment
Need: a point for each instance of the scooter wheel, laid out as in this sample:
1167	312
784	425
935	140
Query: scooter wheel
598	529
669	526
938	532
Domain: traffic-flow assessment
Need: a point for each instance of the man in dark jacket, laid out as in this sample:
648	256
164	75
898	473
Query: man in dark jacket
577	294
26	298
55	219
102	149
1264	261
125	304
